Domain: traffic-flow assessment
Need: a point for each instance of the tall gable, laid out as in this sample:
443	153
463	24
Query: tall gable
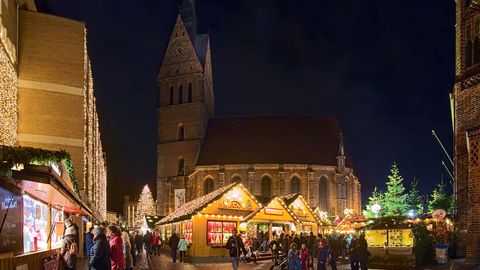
180	56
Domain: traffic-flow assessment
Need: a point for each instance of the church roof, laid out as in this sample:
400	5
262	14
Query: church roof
271	140
200	42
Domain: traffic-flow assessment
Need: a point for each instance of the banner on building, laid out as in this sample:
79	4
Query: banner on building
179	198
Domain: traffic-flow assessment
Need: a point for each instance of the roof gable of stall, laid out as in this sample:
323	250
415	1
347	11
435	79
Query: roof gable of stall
276	209
236	201
300	208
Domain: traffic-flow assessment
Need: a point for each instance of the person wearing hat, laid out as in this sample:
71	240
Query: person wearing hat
100	252
69	248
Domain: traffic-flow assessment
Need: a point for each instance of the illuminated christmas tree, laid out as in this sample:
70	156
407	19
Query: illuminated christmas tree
394	202
146	205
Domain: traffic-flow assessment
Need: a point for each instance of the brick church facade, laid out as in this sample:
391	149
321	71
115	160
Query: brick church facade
466	98
270	155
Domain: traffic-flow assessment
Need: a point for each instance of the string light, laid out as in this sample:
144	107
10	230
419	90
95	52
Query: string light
8	101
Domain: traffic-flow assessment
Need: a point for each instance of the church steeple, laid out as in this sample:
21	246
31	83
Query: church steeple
189	16
341	155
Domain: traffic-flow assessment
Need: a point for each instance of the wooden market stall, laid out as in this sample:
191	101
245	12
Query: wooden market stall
300	208
275	215
327	225
207	222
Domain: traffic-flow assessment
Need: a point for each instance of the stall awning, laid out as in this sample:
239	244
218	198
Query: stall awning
276	209
300	208
44	184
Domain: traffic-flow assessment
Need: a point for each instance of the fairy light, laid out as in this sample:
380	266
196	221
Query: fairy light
8	101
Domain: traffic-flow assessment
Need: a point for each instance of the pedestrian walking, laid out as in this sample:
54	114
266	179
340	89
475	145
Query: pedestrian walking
89	241
294	258
127	249
154	244
363	253
69	249
335	249
100	252
311	245
182	248
322	256
147	242
133	247
173	244
117	260
139	241
304	255
353	253
235	246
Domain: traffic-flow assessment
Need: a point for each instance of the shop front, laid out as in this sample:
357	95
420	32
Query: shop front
34	203
207	222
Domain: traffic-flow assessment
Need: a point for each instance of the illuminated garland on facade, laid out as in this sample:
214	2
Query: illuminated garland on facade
8	101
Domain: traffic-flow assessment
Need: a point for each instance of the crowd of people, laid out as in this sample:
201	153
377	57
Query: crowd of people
107	247
302	251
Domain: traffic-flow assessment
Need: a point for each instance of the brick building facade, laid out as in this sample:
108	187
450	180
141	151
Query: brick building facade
466	94
269	155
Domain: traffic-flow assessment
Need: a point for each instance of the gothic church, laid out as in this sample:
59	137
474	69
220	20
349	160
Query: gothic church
270	155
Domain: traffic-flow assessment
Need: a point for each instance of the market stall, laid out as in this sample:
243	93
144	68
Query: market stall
207	222
275	215
300	208
327	225
34	202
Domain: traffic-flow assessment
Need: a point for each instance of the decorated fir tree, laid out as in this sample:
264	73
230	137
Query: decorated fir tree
394	202
146	205
414	200
374	206
440	200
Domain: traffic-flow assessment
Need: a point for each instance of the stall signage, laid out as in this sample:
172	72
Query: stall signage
11	236
273	211
299	212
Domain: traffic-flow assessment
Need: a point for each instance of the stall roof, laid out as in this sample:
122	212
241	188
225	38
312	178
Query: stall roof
151	220
257	212
192	207
291	198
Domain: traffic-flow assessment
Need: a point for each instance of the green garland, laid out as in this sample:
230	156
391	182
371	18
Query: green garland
12	156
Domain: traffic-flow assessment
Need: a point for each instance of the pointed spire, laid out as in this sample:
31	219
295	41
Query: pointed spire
341	150
189	16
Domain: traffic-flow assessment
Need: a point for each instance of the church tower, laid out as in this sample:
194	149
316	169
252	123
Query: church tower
466	109
186	103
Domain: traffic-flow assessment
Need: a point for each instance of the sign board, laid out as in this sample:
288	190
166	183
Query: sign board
273	211
12	232
22	267
439	213
179	198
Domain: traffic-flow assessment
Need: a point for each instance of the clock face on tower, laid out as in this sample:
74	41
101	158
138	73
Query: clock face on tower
178	49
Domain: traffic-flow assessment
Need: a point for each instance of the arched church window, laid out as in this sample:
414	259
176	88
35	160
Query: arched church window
295	185
207	185
171	95
476	50
181	132
323	193
469	54
266	186
237	179
180	94
190	94
181	166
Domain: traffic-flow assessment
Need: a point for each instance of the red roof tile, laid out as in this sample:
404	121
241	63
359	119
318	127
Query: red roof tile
271	140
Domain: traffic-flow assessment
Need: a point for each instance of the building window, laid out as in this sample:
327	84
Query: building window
171	95
181	166
236	179
323	194
190	92
472	46
295	185
180	132
180	94
266	187
207	185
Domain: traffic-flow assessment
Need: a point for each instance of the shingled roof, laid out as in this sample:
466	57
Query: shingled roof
271	140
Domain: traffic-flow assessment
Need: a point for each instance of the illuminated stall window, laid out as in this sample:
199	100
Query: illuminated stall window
187	230
218	232
57	228
11	236
35	222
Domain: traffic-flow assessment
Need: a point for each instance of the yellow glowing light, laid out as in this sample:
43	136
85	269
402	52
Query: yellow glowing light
8	101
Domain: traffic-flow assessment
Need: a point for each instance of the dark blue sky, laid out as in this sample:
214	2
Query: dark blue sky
383	68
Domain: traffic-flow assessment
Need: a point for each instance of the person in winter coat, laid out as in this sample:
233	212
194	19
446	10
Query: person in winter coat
182	247
293	258
68	252
173	244
353	253
362	249
311	244
89	241
335	249
304	256
127	249
154	244
235	247
323	250
133	249
139	241
100	252
117	260
147	241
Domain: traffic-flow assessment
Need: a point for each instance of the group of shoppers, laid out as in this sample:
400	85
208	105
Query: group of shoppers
179	244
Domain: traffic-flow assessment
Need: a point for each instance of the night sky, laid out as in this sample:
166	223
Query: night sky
383	68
